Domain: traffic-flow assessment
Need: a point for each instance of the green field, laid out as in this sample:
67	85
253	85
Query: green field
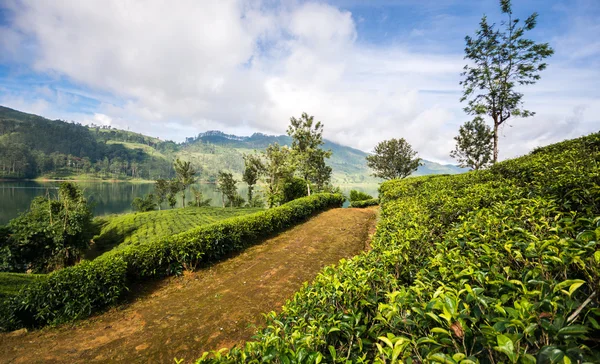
11	283
138	228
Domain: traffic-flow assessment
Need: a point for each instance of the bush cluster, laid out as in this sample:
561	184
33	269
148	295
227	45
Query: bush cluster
365	203
77	291
495	266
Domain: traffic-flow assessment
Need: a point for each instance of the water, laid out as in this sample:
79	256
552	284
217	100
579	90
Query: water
109	197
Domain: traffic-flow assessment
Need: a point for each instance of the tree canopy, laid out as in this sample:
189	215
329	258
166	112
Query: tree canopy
393	158
501	60
473	144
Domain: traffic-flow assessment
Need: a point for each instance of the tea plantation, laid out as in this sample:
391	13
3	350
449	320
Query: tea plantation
78	291
495	266
139	228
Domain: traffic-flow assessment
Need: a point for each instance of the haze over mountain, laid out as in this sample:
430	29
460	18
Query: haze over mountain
32	146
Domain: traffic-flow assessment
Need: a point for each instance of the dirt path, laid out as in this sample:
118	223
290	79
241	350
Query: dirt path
209	309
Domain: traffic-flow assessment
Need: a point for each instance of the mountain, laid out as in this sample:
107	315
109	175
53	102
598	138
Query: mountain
35	147
349	164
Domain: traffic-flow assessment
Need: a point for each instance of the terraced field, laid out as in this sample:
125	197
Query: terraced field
138	228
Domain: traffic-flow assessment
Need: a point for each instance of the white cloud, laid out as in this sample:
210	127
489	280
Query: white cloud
175	69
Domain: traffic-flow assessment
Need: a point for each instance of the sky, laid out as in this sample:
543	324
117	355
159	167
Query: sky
369	70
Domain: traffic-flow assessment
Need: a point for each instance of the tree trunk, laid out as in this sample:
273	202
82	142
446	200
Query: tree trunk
183	197
308	187
495	141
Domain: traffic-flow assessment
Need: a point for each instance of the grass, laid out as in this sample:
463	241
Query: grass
138	228
11	283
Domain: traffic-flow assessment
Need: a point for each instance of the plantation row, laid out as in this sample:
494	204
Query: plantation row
496	266
143	227
77	291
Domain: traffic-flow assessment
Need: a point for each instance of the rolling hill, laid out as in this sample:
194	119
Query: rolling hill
32	146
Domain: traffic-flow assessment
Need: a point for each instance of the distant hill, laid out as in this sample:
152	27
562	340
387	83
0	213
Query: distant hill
32	146
349	164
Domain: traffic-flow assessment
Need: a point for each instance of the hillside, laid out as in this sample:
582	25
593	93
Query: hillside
35	147
349	165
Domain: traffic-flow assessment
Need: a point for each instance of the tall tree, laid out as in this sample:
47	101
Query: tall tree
473	144
226	185
307	139
185	176
279	167
393	158
253	167
161	190
501	60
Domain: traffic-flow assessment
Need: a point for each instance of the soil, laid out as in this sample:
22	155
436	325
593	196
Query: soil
214	307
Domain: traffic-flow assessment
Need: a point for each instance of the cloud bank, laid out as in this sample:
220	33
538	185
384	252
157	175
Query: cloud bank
176	69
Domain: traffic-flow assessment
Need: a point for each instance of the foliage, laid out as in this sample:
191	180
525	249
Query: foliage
294	188
365	203
279	168
174	188
161	190
75	292
141	228
199	200
307	139
501	60
226	184
11	283
492	266
185	176
143	204
359	196
253	168
393	158
473	144
53	233
32	146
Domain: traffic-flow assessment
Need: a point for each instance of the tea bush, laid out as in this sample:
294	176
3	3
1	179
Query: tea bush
77	291
365	203
138	228
496	266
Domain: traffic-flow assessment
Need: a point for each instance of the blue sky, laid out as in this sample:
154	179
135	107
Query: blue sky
370	70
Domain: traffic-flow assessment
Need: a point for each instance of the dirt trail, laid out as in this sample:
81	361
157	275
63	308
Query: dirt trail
209	309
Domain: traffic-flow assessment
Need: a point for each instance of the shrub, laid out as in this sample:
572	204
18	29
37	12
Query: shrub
359	196
365	203
77	291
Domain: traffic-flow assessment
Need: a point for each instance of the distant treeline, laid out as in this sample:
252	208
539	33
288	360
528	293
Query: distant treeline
32	146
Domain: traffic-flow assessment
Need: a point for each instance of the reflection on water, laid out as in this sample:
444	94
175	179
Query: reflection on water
107	197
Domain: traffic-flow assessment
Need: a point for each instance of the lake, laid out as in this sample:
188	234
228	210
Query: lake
108	197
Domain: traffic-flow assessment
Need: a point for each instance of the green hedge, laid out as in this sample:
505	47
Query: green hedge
365	203
496	266
77	291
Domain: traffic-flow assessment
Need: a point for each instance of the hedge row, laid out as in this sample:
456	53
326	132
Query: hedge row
78	291
365	203
497	266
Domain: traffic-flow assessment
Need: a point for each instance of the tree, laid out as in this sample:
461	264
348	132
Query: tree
185	176
501	60
174	189
279	167
226	185
253	168
143	204
473	144
53	233
161	190
393	158
199	200
307	138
